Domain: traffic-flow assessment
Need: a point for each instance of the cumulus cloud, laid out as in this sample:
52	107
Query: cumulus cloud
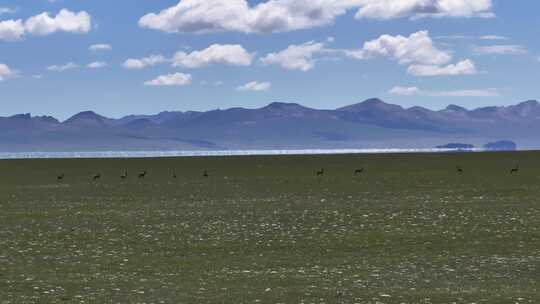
202	16
390	9
11	30
414	91
230	54
255	86
417	48
500	50
417	51
465	67
100	47
177	79
137	64
215	54
96	65
64	67
43	24
6	72
64	21
295	57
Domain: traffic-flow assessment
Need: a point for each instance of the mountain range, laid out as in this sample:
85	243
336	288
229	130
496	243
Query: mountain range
369	124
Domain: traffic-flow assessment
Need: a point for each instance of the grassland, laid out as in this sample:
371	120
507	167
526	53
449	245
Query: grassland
266	230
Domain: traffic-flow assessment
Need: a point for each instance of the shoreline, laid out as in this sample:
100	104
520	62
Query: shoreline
227	153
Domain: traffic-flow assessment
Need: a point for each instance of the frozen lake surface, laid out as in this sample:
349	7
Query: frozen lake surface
154	154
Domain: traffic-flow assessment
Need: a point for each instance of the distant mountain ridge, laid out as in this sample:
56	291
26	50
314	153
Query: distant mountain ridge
368	124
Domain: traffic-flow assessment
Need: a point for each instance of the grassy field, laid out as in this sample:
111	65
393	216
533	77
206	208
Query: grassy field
267	230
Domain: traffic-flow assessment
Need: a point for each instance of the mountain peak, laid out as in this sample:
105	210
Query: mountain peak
86	114
373	101
283	105
371	105
529	108
531	102
87	118
455	108
26	116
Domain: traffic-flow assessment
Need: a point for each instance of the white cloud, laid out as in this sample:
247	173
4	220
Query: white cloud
43	24
417	48
202	16
97	65
295	57
215	54
404	91
493	37
137	64
61	68
454	37
390	9
177	79
465	67
7	10
500	50
417	51
414	91
255	86
11	30
100	47
64	21
6	72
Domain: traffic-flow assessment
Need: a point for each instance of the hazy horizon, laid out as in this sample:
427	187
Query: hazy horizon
252	108
61	57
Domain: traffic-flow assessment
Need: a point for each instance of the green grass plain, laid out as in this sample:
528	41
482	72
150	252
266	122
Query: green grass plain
267	230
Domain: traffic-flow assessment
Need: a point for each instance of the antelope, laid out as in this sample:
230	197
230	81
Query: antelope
358	171
459	170
97	176
205	173
142	175
124	176
60	177
174	175
320	173
515	170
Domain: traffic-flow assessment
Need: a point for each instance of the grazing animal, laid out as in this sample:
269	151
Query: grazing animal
97	176
142	174
358	171
515	170
320	172
206	173
459	169
60	178
174	175
124	176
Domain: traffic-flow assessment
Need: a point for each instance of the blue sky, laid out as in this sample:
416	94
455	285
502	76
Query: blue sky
212	54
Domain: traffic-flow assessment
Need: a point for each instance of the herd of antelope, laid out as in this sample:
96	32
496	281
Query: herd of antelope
319	173
124	175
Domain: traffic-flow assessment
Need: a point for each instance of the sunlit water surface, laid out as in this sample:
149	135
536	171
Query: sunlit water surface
154	154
